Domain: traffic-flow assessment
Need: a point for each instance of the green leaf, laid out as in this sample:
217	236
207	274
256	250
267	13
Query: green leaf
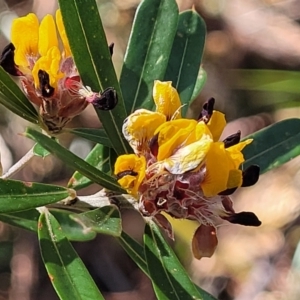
99	159
169	278
135	251
26	219
200	82
67	273
38	150
74	161
72	229
105	220
273	145
93	61
112	159
17	195
98	136
266	80
148	51
185	59
13	98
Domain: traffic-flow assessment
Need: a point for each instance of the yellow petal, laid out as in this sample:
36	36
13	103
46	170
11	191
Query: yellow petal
183	228
166	99
202	129
131	162
236	156
25	36
173	135
47	35
49	63
139	128
62	33
235	179
217	170
189	157
216	124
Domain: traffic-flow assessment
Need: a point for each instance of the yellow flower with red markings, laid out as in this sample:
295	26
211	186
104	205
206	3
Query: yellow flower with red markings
180	168
47	72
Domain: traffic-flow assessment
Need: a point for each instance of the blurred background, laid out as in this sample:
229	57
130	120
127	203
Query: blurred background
252	60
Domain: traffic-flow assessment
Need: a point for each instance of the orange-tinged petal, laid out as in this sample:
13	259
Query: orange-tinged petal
139	128
204	241
131	162
216	124
166	99
25	36
173	135
202	129
47	35
236	156
62	33
235	179
217	170
49	63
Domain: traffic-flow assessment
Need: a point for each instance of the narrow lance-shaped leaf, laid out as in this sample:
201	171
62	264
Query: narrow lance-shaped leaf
148	51
169	278
273	145
28	219
99	159
18	195
266	80
105	220
98	136
13	98
67	273
185	59
200	82
93	60
134	250
74	161
71	229
38	150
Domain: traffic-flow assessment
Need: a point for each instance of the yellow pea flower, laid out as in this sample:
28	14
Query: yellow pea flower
47	73
180	169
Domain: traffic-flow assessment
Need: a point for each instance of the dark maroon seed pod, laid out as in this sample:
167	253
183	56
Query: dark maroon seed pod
250	175
7	60
46	88
232	139
244	218
207	110
153	145
107	100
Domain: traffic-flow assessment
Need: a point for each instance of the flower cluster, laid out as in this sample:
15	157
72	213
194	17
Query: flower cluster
47	73
180	167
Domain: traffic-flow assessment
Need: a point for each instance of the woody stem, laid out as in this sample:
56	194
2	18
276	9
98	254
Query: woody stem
19	165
